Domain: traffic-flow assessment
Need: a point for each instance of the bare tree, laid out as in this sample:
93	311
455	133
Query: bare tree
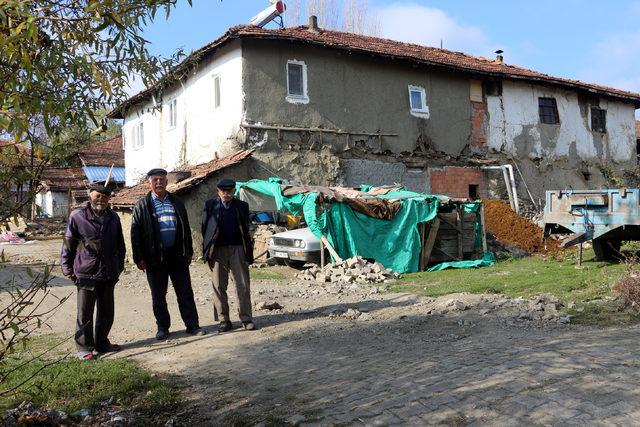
352	16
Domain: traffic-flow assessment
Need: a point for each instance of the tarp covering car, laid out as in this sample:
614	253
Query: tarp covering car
373	222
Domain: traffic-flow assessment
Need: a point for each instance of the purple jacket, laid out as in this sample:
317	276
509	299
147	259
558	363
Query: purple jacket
91	249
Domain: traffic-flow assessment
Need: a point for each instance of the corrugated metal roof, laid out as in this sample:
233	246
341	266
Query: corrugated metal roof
99	173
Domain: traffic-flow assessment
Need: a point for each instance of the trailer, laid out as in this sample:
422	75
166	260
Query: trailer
606	217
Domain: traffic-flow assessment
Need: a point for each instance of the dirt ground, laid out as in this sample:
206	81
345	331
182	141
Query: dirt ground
354	355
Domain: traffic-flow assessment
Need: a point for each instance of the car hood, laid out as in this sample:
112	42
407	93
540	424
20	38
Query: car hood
299	233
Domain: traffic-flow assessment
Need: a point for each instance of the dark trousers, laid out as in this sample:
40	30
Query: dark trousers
176	268
100	296
230	259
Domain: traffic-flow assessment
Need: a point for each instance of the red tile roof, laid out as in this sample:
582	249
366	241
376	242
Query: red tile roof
385	48
63	179
129	196
104	153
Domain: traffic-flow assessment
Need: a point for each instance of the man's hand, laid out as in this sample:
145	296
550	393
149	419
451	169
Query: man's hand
72	277
141	265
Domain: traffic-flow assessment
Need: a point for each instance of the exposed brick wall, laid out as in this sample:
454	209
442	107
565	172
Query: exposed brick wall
454	181
478	133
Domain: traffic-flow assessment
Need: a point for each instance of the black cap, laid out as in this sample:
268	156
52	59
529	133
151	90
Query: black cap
226	183
156	171
100	188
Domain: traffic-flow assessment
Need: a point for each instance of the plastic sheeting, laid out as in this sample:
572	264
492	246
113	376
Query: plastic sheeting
486	261
395	243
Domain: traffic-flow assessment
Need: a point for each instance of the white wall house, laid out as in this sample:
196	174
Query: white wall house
191	121
515	116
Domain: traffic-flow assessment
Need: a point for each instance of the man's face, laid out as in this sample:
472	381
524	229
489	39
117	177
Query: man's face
158	183
99	201
226	194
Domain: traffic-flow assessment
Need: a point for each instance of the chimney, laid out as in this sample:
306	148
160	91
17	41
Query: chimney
499	57
313	24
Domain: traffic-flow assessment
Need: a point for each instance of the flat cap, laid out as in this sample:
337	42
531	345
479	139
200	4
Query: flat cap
156	171
100	188
226	183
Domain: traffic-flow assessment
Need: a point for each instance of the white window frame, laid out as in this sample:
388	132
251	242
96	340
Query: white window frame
419	112
137	136
173	113
217	91
295	98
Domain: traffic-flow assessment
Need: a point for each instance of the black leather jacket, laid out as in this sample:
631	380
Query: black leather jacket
145	232
211	222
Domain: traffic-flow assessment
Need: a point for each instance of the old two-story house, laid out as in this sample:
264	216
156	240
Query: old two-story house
328	107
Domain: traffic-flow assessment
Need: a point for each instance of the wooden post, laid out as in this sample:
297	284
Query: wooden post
460	227
331	250
322	260
423	230
69	198
431	240
484	233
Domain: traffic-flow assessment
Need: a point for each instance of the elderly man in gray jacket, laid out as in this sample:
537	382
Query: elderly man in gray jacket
93	257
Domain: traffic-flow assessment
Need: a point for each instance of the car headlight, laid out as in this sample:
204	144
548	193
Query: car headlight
272	242
303	244
296	243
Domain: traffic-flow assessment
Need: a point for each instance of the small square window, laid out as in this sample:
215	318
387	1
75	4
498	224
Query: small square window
418	101
297	82
548	110
173	113
598	120
217	95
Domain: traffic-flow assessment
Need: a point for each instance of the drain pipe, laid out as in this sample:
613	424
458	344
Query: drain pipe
510	183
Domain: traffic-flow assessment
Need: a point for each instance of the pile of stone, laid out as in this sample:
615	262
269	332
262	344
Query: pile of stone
352	270
261	234
540	308
45	227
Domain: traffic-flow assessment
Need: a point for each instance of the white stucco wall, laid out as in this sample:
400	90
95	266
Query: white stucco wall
52	203
514	115
201	129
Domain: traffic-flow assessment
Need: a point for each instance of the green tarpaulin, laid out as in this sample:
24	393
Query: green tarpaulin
395	243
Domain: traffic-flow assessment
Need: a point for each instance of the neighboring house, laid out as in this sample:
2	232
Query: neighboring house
329	107
63	188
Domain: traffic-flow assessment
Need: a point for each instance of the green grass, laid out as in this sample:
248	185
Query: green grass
71	384
523	277
266	274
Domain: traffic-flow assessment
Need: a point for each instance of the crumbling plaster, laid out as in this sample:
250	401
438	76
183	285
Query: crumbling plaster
356	93
514	126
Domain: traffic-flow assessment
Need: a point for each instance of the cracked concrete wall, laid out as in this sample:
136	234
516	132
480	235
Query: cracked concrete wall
514	126
355	172
357	93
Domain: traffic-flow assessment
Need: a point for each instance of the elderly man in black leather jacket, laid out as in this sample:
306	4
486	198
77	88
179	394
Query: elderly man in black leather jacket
162	247
227	247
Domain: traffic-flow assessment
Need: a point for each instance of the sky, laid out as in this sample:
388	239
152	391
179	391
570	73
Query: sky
588	40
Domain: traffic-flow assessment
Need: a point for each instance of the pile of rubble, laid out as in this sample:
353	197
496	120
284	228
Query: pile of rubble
261	234
352	270
46	227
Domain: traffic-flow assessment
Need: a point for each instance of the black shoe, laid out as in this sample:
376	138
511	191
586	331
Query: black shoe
162	334
111	348
249	326
197	331
225	327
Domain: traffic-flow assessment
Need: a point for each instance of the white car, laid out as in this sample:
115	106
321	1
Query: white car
295	247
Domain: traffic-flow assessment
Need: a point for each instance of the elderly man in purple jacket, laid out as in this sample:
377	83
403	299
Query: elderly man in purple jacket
93	257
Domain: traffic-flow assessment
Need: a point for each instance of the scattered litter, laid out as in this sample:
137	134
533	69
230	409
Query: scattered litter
11	238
